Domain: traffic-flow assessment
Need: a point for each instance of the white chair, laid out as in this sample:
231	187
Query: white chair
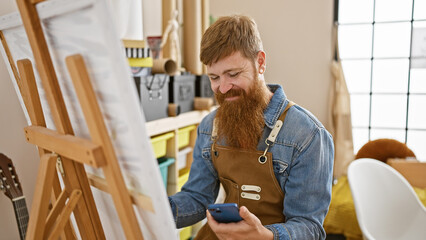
385	203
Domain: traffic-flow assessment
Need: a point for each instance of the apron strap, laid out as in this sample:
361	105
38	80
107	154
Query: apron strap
278	124
284	114
214	130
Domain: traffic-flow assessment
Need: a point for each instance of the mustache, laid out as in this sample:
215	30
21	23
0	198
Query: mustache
220	97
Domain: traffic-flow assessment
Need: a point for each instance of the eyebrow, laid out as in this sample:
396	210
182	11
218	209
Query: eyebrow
226	71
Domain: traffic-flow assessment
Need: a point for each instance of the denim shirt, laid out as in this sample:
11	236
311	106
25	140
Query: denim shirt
302	154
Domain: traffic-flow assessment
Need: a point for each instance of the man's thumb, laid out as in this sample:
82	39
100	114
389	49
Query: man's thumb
244	213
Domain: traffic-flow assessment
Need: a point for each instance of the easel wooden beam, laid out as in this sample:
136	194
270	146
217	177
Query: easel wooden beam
10	59
99	134
138	199
37	1
65	214
75	148
55	211
33	28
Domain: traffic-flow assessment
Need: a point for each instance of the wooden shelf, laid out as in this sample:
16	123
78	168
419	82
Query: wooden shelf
173	123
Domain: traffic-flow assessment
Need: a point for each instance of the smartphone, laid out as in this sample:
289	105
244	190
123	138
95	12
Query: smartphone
225	212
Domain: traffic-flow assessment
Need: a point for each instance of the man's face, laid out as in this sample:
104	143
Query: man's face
233	72
242	97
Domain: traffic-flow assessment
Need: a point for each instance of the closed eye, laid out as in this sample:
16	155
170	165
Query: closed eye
214	77
234	74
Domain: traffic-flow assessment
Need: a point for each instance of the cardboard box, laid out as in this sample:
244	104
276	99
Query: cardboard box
413	170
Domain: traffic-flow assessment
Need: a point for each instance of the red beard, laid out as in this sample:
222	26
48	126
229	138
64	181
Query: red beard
241	121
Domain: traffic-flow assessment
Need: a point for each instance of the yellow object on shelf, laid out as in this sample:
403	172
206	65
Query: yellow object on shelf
185	233
159	144
183	177
130	43
183	136
141	62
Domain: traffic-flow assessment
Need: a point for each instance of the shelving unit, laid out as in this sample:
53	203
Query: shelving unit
173	124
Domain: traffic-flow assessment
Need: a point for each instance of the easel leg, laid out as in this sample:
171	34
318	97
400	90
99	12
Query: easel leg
65	215
55	211
39	207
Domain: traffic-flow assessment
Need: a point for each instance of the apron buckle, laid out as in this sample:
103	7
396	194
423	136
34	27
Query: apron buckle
263	158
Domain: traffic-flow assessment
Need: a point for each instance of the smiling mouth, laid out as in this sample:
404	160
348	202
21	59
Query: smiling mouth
232	98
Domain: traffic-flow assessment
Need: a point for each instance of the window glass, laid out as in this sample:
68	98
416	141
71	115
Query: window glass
355	41
357	75
418	45
396	134
388	110
418	80
416	142
382	45
390	76
393	10
417	112
392	40
356	11
420	9
360	110
360	136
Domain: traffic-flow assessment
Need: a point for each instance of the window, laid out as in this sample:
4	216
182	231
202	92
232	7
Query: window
382	46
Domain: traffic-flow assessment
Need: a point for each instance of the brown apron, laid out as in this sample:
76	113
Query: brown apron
249	180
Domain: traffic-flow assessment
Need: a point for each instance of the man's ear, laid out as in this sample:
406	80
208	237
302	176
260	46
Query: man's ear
261	61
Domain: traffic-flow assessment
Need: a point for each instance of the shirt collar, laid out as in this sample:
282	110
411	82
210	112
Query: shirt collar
275	106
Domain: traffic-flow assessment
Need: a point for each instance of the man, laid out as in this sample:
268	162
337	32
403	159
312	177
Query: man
274	159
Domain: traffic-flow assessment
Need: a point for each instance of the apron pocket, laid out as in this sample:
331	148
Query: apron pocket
232	191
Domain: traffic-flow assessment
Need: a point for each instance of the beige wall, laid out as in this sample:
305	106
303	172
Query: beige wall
297	40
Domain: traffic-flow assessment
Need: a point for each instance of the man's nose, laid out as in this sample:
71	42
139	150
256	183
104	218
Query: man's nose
225	86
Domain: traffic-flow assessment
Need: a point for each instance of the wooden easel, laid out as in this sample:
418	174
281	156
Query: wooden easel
61	148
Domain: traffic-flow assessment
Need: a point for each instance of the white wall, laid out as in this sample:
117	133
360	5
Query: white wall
13	144
297	40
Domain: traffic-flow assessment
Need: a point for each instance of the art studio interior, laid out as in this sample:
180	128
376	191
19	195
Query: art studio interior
149	119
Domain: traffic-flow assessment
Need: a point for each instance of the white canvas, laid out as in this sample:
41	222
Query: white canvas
85	27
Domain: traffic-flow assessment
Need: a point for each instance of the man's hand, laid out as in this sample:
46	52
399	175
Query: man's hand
249	228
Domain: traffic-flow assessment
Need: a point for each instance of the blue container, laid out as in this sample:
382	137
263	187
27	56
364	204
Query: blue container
164	164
